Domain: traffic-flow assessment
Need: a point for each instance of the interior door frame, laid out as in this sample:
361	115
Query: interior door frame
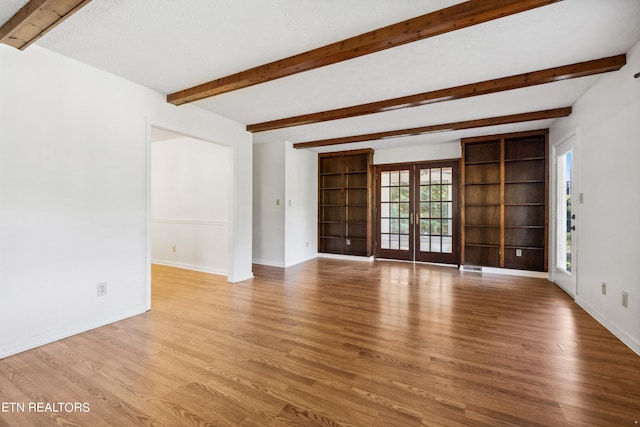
559	276
414	254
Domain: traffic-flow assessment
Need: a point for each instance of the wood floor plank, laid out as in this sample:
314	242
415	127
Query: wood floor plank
337	343
331	405
293	416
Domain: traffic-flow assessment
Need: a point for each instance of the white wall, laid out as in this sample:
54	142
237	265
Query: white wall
285	204
269	204
190	204
418	153
607	120
74	193
301	211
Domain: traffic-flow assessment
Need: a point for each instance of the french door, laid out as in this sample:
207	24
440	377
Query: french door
417	212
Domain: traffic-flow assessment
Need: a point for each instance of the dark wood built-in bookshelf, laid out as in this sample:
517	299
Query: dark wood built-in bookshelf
345	192
504	201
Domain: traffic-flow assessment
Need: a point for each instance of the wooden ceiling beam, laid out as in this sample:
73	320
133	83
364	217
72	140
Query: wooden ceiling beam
468	124
581	69
35	19
432	24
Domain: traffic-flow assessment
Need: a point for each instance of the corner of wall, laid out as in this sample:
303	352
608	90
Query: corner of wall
606	121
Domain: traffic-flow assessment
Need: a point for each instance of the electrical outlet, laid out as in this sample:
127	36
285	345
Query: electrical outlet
518	252
348	242
173	248
307	244
101	289
604	288
625	299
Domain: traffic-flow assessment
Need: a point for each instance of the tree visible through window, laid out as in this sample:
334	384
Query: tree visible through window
417	212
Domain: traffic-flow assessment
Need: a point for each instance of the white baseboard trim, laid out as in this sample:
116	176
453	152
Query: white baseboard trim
246	276
619	333
347	257
200	268
281	264
268	262
511	272
300	261
40	340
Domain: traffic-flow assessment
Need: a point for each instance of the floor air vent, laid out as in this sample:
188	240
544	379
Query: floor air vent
472	268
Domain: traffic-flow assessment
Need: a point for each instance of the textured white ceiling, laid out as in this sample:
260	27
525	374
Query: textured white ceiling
8	8
560	94
171	45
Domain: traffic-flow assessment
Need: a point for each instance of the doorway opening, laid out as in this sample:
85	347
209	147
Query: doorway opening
189	203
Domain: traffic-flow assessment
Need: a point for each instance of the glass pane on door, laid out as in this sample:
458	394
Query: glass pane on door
417	210
436	210
564	215
394	210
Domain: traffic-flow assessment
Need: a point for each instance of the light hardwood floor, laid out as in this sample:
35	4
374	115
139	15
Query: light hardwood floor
337	343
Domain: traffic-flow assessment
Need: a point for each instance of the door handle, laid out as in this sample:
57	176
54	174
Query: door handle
417	218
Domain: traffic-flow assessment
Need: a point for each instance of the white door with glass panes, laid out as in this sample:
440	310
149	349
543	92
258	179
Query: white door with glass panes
417	212
565	217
